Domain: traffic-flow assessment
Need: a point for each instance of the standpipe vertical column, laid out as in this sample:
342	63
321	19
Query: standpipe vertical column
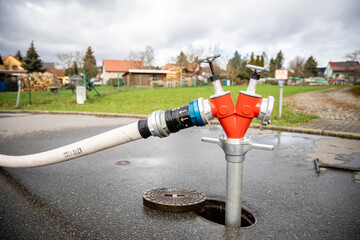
234	175
235	121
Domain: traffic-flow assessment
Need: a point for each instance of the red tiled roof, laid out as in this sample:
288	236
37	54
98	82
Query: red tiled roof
57	72
120	65
345	66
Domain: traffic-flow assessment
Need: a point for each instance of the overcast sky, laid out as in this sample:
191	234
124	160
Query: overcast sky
327	30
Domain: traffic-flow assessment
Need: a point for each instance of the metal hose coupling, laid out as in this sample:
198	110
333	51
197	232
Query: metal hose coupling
161	123
267	105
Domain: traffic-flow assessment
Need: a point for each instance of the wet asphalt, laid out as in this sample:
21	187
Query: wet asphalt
94	198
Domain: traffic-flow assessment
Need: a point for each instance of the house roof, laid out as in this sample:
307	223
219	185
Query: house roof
57	72
13	58
13	72
48	65
345	66
120	65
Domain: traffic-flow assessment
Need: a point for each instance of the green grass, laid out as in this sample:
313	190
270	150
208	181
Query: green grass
146	100
356	90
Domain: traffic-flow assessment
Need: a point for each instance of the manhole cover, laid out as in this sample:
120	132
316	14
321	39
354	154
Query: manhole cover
173	199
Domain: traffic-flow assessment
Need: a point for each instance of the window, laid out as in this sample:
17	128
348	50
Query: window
6	67
14	67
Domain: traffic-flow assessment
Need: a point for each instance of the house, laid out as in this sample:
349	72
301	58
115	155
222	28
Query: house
113	69
349	71
145	77
58	73
11	63
10	69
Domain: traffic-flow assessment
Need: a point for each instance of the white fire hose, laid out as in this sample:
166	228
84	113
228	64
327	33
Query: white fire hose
90	145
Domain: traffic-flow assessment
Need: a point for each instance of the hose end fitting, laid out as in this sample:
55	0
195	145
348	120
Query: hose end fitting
162	123
200	112
266	108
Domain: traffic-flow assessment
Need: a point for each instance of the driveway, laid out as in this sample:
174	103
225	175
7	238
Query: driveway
338	109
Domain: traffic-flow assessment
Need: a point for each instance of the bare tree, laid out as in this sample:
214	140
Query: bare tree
352	72
143	57
353	56
297	66
66	60
79	58
148	56
136	58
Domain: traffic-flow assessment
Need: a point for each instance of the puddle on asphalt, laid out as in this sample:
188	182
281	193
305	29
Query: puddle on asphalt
332	150
337	152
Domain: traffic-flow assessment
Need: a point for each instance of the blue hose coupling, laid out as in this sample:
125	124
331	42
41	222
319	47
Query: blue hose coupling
200	112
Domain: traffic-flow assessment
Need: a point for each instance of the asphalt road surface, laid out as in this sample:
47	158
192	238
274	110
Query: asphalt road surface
94	198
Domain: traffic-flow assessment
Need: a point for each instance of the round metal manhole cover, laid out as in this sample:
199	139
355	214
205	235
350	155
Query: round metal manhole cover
174	199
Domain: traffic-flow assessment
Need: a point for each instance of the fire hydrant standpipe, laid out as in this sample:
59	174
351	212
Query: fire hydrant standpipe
235	121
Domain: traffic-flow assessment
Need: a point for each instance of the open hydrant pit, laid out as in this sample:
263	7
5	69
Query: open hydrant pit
214	211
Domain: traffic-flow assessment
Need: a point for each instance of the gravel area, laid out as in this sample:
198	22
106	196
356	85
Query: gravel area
338	109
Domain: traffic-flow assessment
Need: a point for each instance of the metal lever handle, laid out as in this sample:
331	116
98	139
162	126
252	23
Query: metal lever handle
257	69
243	142
262	146
209	59
212	140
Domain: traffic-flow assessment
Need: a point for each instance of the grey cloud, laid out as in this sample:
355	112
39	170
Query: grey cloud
324	29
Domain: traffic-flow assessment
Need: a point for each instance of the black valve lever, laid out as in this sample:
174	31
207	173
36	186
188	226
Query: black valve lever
210	60
256	70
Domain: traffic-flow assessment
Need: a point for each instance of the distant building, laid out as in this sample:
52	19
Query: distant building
10	68
113	69
48	65
349	71
11	63
145	77
321	71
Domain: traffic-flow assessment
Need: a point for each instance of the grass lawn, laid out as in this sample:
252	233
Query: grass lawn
146	100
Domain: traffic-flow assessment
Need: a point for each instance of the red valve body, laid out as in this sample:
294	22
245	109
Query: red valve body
235	120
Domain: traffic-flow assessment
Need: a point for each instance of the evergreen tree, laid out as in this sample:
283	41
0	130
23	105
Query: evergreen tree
252	59
32	63
182	60
279	60
90	63
234	66
262	61
258	61
19	56
310	67
272	66
74	69
1	61
237	67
